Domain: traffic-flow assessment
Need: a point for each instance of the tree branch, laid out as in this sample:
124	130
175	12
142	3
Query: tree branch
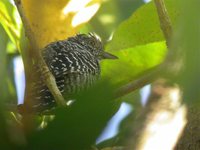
48	77
139	83
161	113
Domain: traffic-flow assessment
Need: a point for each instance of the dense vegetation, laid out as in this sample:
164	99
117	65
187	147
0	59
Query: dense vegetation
157	44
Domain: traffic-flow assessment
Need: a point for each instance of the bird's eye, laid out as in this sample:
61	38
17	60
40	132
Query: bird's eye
92	43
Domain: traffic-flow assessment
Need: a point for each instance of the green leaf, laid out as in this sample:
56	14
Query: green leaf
141	28
139	44
4	92
133	62
10	21
77	126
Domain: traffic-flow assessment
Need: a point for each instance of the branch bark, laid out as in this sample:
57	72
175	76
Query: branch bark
161	121
48	77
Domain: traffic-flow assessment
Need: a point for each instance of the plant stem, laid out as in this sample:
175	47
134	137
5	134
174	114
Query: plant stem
139	83
48	77
165	22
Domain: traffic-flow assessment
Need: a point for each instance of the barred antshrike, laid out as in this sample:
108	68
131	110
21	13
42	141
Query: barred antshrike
74	62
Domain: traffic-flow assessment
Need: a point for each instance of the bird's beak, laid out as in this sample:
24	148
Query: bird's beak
106	55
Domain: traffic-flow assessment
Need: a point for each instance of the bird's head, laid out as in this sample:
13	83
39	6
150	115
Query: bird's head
93	43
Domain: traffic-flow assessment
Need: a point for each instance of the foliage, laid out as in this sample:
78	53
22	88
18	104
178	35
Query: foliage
10	21
137	41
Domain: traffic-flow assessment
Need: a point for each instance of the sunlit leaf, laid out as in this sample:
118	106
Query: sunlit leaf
141	28
138	42
9	19
133	61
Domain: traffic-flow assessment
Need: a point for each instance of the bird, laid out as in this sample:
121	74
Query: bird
75	64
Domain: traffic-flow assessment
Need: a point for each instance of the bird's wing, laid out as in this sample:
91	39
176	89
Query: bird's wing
60	58
64	58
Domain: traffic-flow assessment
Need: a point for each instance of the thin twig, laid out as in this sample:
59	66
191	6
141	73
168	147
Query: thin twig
139	83
48	77
165	22
173	60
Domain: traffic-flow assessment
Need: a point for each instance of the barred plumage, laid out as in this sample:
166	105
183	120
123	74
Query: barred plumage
74	62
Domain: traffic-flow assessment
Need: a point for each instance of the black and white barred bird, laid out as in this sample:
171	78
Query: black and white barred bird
74	62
